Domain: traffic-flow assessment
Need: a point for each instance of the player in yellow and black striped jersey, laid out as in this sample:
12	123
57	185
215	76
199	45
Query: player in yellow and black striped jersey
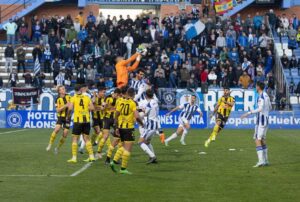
63	121
223	110
126	115
82	106
116	139
98	114
110	104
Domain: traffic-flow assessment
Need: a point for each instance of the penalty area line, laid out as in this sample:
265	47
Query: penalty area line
13	131
86	166
34	176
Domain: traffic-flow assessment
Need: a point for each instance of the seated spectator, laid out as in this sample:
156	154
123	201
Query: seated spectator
28	78
90	76
204	76
293	62
184	76
13	78
285	61
244	80
212	77
108	70
1	82
292	43
80	75
260	68
173	81
60	78
259	77
159	71
245	64
109	83
37	53
101	82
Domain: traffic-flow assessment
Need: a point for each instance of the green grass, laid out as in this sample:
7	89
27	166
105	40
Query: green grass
181	175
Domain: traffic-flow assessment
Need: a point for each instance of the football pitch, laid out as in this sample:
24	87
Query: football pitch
184	173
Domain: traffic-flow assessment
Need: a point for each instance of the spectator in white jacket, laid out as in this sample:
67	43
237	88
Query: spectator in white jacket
10	29
128	40
220	42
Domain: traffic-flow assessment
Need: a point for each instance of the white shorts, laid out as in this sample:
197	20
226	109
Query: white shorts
182	121
148	134
260	132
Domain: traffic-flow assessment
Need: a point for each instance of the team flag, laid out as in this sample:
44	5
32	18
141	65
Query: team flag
37	67
223	6
193	29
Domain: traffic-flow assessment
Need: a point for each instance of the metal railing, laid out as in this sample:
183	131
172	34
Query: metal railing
9	11
281	80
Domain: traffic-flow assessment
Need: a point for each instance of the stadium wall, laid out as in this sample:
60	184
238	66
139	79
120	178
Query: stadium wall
263	9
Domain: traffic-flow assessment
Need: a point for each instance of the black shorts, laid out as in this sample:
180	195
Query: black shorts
98	122
222	118
81	128
63	122
126	135
108	123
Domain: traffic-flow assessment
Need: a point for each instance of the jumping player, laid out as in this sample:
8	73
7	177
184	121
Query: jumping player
261	127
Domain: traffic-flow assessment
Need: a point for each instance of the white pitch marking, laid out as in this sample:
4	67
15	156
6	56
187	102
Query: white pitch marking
86	166
202	152
34	176
232	149
13	131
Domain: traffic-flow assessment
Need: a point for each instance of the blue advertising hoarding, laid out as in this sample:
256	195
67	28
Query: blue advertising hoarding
47	119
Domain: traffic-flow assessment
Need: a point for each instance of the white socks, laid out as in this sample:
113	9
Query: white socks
151	147
172	137
146	149
265	154
183	135
260	154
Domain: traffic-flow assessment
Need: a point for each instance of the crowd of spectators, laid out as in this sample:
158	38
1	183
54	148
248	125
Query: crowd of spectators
232	52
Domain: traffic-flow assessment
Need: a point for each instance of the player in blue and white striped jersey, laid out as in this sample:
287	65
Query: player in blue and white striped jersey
152	124
136	82
262	113
141	99
188	110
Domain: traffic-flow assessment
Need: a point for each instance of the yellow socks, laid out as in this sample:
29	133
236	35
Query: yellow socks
101	145
89	148
118	154
120	144
99	137
108	143
61	142
52	138
214	133
74	150
125	158
110	151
